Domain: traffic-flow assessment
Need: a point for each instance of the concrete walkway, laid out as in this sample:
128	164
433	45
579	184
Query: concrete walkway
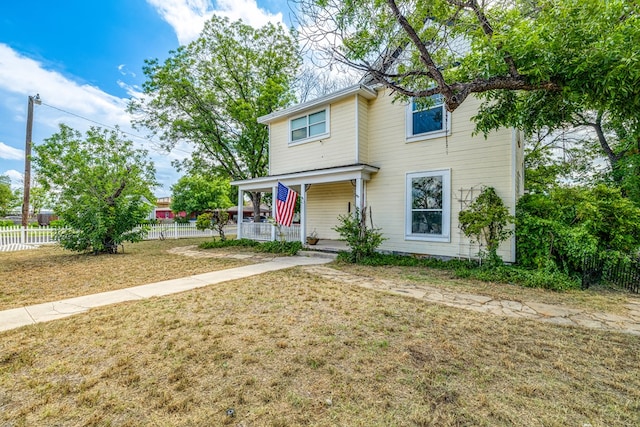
628	322
14	318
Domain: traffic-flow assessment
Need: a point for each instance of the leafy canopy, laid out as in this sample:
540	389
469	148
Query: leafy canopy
211	92
560	229
101	187
536	63
198	193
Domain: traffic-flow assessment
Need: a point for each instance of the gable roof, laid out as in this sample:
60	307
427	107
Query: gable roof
360	89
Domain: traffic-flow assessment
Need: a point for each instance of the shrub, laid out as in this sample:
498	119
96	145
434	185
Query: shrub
467	269
485	221
6	223
362	240
559	230
276	247
246	243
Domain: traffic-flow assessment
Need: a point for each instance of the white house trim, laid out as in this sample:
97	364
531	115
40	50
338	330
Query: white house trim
319	176
365	91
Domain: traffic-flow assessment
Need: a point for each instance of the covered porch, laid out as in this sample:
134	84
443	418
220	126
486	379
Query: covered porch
344	185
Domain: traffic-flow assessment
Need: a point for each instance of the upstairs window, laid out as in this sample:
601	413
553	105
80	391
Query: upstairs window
427	118
309	126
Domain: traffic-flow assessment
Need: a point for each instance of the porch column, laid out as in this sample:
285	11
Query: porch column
359	202
274	199
240	213
303	213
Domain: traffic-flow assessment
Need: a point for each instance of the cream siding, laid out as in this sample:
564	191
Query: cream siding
338	149
363	133
473	162
324	203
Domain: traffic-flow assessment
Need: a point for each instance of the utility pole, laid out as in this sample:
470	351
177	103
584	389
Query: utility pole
27	159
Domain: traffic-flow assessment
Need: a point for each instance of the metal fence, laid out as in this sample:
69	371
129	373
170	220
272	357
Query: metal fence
618	271
47	235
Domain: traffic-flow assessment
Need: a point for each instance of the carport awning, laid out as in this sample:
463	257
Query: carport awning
317	176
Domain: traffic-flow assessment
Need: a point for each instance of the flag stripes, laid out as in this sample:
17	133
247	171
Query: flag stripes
285	205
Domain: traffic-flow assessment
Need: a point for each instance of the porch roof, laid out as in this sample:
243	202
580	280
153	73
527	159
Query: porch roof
316	176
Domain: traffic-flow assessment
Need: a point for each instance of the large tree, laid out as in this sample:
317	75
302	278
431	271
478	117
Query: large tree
101	187
8	198
210	93
536	63
196	194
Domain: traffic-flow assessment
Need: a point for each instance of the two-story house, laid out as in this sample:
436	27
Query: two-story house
416	166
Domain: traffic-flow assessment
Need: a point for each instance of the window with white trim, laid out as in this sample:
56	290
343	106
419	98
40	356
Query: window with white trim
310	126
428	210
427	118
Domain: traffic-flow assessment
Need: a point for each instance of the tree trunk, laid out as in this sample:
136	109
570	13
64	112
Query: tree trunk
256	198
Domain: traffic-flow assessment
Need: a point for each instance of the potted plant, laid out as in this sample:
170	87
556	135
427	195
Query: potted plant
312	238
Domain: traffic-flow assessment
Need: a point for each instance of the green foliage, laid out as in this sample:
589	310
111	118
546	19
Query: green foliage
6	223
561	229
8	199
556	281
542	64
103	187
57	223
210	93
195	194
213	221
280	247
362	240
275	247
242	243
485	221
552	280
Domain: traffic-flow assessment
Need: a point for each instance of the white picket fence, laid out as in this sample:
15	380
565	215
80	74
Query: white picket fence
263	231
255	231
45	235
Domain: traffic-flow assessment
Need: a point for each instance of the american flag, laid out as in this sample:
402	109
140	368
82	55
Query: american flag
285	204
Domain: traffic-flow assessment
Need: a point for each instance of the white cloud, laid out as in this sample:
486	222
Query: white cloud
10	153
187	17
125	71
63	101
16	177
25	76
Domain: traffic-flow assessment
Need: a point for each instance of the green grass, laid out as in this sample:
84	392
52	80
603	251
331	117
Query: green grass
472	270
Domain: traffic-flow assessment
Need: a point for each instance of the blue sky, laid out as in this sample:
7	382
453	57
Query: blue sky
85	58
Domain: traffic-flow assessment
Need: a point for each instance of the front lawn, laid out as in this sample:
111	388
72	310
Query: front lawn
289	348
50	273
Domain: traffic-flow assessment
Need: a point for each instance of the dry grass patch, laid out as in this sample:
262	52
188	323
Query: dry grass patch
50	273
595	299
288	348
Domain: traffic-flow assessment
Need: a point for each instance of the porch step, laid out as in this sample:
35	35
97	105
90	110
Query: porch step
318	254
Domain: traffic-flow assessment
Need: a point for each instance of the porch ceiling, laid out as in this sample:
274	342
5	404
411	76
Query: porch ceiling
317	176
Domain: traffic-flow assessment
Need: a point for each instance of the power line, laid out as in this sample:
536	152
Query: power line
112	128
